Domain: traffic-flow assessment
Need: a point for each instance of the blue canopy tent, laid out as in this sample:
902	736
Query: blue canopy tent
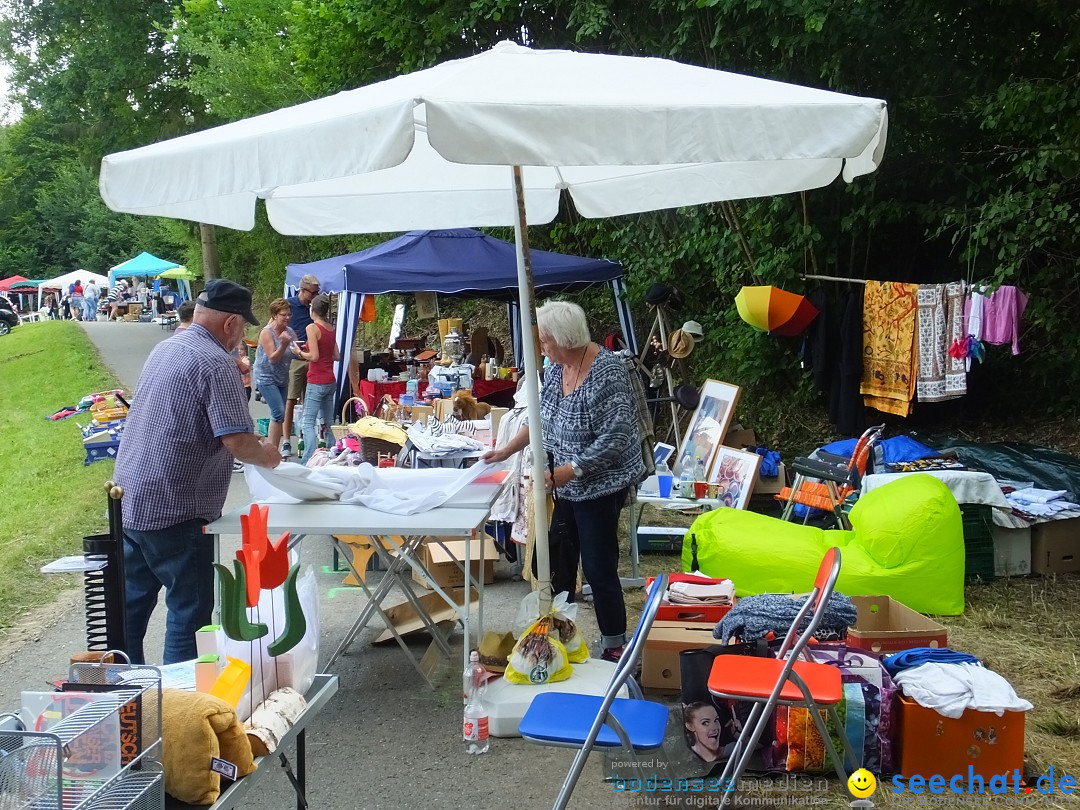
148	266
461	262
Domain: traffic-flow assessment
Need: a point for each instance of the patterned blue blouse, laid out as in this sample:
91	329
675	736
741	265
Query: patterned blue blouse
595	426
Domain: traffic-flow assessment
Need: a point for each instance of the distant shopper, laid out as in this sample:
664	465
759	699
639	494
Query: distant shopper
76	302
116	298
321	351
184	315
273	358
299	321
188	421
90	301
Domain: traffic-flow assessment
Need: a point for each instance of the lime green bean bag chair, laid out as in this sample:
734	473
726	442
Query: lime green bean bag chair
907	542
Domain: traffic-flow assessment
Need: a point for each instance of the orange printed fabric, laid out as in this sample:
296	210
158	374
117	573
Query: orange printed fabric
890	354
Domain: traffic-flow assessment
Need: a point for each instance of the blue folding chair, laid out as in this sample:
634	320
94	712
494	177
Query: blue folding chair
571	720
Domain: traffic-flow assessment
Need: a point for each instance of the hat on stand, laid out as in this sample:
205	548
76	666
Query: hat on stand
693	329
680	344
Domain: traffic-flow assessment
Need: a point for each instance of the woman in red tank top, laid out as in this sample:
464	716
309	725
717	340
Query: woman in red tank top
321	352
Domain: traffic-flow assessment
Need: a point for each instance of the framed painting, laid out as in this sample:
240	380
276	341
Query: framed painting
734	473
708	427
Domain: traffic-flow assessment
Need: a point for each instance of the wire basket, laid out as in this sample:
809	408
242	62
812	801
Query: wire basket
55	768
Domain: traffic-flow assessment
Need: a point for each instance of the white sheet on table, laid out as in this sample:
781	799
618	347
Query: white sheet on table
949	689
394	490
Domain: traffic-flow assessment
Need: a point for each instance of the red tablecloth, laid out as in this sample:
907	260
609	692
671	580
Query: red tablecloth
485	388
373	392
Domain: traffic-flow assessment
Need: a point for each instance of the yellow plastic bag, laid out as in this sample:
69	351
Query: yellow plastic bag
564	616
538	657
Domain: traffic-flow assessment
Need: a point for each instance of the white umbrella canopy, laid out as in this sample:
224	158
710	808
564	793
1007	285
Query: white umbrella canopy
434	149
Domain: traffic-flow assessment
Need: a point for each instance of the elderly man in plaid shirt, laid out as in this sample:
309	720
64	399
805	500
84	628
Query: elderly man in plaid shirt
188	421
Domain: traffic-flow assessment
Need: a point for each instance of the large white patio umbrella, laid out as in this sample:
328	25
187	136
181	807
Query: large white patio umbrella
495	139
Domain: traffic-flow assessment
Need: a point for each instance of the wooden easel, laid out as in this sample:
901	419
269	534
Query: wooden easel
660	330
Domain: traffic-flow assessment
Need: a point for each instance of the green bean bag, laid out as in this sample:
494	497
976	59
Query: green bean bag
907	542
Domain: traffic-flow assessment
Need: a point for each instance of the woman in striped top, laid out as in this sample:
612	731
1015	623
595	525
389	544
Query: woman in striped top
591	433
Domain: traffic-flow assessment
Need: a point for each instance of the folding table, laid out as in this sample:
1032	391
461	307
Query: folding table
398	539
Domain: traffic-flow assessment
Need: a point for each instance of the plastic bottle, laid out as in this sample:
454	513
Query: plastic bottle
475	726
699	469
686	482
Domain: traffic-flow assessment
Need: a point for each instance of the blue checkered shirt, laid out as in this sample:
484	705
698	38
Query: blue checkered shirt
171	461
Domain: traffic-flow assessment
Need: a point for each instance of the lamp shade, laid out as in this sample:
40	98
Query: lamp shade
776	311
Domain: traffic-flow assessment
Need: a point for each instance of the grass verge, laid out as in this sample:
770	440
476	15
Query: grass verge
50	499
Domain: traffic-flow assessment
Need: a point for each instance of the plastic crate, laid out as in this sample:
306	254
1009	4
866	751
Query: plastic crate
262	426
978	541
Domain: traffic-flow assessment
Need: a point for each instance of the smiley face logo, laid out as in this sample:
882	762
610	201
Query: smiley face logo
862	784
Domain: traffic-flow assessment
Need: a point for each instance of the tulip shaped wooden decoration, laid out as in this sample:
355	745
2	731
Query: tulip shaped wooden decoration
260	566
295	621
234	618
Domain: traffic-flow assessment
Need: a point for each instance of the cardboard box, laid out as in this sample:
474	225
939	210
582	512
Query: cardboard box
660	658
771	486
1055	546
496	417
420	413
1012	551
440	562
739	438
885	625
931	743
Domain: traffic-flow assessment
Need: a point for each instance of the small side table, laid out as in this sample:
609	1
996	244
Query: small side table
635	580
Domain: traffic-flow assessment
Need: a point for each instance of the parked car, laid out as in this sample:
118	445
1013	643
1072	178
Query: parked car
8	318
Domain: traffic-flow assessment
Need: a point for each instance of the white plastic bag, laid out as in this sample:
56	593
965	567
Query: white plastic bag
565	614
295	668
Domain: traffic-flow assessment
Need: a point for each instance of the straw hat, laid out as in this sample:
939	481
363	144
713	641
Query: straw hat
680	344
495	649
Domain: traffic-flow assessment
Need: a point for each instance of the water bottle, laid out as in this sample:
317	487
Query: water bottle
699	469
686	482
475	726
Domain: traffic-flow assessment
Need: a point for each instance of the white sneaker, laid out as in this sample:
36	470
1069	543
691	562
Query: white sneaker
237	466
285	450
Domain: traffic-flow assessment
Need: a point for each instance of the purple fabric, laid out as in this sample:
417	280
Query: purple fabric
1001	316
171	461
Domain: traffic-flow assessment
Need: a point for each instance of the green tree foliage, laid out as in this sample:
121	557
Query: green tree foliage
979	181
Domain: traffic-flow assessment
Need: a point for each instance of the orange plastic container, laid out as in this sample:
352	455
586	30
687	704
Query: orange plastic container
667	612
931	743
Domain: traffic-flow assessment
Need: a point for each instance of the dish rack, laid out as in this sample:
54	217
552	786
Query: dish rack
40	769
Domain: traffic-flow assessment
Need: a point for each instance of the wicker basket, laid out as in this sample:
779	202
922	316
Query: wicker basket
342	430
371	449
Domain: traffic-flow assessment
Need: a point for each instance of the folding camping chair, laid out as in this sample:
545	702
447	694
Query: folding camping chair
570	720
838	479
785	681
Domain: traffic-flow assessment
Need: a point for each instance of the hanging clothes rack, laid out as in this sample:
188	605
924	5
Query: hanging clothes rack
812	277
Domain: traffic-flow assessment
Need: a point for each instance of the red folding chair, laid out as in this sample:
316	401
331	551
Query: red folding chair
837	479
784	681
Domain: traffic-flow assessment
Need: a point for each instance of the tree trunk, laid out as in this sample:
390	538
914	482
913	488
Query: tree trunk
208	237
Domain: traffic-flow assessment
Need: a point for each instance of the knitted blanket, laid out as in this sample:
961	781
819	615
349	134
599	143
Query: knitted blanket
754	617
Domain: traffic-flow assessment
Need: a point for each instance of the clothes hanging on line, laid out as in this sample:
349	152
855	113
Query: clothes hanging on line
942	375
999	320
889	351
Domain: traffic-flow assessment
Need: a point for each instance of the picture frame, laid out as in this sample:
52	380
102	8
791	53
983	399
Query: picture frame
662	453
734	473
708	426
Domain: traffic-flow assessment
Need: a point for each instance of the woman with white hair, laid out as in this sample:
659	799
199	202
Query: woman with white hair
591	435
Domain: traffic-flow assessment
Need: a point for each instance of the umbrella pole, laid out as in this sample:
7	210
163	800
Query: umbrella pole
527	307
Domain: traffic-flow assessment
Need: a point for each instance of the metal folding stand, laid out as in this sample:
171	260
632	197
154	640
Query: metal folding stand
400	559
106	613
